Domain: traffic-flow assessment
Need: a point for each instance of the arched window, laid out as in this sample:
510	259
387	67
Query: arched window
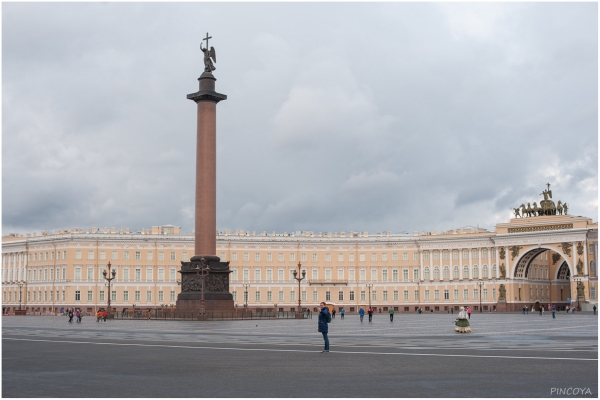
593	268
466	272
494	274
446	273
426	273
484	272
436	273
475	272
456	273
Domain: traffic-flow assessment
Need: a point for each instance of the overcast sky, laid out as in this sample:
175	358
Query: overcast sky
340	116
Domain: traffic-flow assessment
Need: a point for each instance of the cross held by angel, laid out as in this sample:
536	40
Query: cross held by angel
208	55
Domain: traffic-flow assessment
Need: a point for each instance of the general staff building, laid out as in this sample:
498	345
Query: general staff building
526	261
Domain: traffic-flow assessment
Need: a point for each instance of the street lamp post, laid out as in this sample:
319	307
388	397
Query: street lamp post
577	280
369	285
299	314
202	271
480	283
108	277
418	295
246	286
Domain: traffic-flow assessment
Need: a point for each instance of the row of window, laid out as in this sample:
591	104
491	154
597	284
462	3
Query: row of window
363	295
91	255
475	253
36	296
385	275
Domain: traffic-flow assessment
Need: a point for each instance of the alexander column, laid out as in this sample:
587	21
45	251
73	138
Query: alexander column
205	278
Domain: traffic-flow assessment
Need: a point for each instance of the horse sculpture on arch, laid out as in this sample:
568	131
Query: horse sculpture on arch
546	207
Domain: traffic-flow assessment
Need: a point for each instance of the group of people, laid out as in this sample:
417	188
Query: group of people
77	313
101	316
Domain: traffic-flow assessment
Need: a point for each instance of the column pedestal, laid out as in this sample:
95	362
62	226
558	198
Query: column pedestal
216	290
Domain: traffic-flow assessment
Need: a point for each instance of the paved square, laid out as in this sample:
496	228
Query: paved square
507	355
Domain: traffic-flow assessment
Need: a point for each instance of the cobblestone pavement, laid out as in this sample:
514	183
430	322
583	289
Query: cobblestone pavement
424	347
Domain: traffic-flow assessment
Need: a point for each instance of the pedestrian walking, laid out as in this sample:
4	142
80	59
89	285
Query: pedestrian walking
541	311
451	310
553	312
333	313
149	315
370	312
323	327
71	315
523	310
469	312
391	314
78	315
594	309
526	310
104	314
98	316
342	312
361	313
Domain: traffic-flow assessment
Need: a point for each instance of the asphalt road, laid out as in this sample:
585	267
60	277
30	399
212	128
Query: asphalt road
507	355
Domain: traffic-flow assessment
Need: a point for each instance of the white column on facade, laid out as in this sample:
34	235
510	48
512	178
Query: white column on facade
489	250
574	257
585	258
460	261
430	265
420	265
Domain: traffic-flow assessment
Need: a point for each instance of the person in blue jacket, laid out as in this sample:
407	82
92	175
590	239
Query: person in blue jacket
361	312
323	325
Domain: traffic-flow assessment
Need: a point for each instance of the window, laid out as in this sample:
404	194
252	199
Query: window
269	275
484	253
363	275
101	297
415	256
340	257
485	294
172	296
77	274
172	274
426	273
138	255
363	295
138	274
233	256
593	292
475	272
475	254
303	295
352	295
394	256
446	294
362	257
257	297
77	255
161	274
416	274
436	294
246	275
406	295
315	257
446	273
125	255
173	256
466	294
257	275
436	273
455	254
113	295
426	256
77	296
436	255
148	295
475	294
280	257
426	294
269	257
148	274
90	295
115	255
374	295
293	257
340	274
246	257
484	271
328	296
384	257
340	295
455	294
149	256
494	275
404	256
395	275
446	255
90	255
351	257
384	275
385	295
280	276
315	296
328	257
161	256
465	254
373	274
90	273
269	296
256	256
315	274
281	295
328	274
103	255
161	296
373	257
466	272
593	268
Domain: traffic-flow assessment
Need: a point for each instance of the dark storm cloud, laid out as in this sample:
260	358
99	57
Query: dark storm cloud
399	117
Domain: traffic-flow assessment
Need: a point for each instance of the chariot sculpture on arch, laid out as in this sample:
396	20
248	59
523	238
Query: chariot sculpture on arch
546	207
208	55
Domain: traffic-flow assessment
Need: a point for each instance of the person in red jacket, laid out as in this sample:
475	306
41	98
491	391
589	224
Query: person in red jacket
469	312
104	314
370	311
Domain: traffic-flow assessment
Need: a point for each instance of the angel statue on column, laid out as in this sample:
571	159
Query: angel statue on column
208	54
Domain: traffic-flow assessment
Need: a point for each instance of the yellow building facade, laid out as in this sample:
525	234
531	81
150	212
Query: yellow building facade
532	261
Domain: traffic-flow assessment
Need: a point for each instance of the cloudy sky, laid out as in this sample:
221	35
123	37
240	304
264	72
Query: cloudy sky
340	116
